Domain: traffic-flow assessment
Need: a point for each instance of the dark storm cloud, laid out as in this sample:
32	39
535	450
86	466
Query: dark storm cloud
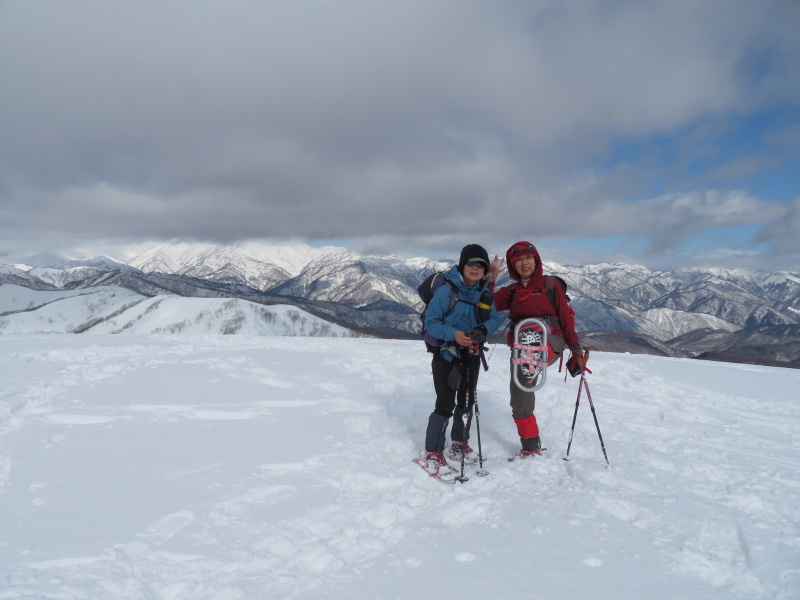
394	121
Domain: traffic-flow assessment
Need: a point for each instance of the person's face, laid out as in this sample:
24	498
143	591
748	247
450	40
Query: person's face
473	272
525	265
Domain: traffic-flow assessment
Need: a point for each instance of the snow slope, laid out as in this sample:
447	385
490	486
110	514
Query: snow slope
117	310
659	322
239	467
15	298
28	311
197	316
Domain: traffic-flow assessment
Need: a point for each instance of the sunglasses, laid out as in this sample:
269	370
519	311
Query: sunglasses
517	252
477	262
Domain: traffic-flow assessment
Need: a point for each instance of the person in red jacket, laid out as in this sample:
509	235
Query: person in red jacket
528	298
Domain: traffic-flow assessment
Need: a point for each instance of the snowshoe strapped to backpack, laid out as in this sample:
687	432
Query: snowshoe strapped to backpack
531	353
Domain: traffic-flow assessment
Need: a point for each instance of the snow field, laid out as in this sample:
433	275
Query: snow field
228	467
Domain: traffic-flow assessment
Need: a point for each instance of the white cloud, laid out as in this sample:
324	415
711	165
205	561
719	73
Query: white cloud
368	120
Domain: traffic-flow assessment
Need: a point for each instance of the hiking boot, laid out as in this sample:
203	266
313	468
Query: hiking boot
531	444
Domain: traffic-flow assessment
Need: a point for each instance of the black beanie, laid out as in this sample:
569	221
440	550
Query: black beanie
472	251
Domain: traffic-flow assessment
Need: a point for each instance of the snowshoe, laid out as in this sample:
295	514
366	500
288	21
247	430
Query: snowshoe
436	466
523	454
456	449
530	354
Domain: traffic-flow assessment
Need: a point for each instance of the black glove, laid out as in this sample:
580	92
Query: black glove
478	334
455	377
577	362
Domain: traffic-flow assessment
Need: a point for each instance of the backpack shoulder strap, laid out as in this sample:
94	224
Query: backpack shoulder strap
550	288
453	296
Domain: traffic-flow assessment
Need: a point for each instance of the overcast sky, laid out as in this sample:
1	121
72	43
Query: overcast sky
659	132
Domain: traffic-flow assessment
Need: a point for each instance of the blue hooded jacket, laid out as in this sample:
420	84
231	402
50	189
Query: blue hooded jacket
463	318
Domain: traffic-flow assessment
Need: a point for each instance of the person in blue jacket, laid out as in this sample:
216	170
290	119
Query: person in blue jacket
455	370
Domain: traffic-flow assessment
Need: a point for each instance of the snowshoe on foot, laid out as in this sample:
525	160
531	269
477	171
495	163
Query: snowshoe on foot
523	454
527	453
436	466
457	449
530	447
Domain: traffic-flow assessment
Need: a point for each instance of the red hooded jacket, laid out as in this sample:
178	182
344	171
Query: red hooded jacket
532	301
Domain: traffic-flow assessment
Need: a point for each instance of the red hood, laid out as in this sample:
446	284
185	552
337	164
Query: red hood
538	275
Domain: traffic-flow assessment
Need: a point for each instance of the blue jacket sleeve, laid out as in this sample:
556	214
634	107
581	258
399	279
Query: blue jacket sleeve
495	320
435	315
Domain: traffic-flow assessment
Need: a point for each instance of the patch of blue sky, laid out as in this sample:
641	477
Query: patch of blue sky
757	152
650	161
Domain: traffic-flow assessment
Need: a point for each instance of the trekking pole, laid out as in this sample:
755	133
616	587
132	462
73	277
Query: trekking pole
481	472
498	339
473	394
594	414
574	418
583	383
465	415
482	354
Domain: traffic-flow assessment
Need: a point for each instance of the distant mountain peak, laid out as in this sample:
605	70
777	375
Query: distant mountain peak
200	259
101	262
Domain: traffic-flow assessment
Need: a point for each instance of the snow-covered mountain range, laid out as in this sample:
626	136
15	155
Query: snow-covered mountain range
684	312
259	266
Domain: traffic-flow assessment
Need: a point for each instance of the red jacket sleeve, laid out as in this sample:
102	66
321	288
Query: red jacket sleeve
566	318
502	298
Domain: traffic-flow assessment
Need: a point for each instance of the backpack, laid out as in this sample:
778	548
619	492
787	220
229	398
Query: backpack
550	282
426	290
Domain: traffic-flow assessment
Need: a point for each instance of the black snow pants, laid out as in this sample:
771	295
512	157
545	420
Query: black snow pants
450	402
